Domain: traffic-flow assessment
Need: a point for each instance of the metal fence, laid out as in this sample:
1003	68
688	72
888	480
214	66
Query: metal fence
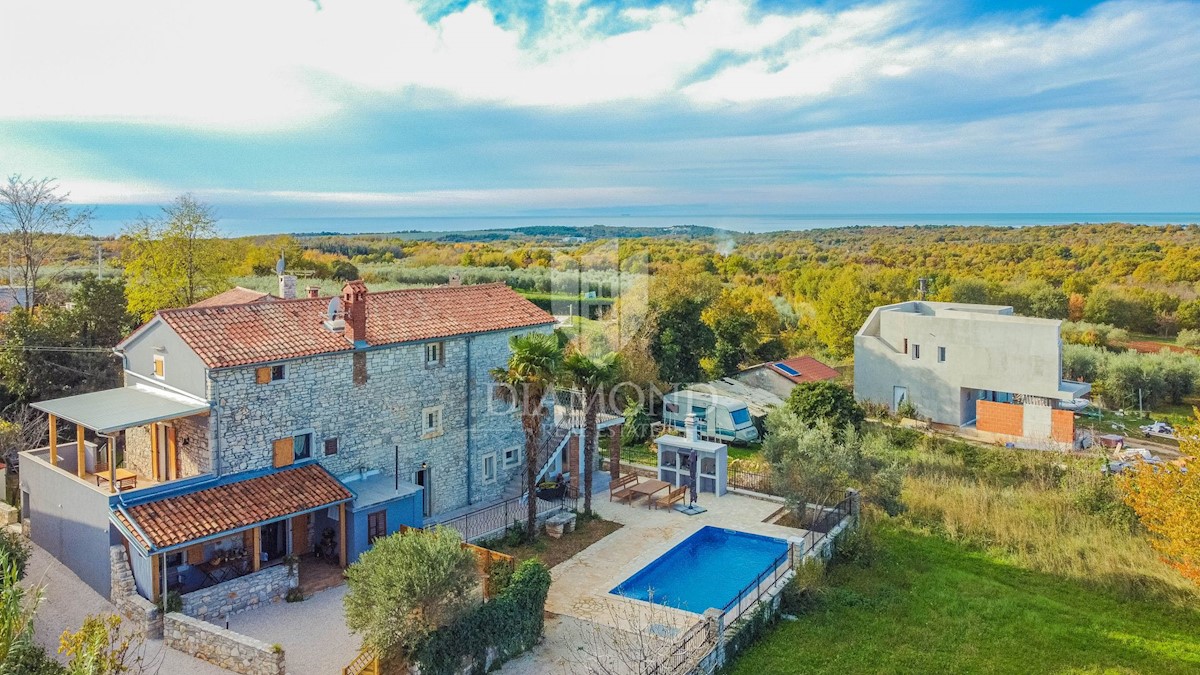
495	518
748	480
685	652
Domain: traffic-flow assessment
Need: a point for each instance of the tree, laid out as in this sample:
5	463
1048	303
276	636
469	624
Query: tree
828	401
408	585
344	270
532	369
746	327
176	259
680	338
593	377
842	306
1166	499
36	223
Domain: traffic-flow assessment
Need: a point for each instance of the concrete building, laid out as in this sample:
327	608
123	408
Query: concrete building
780	377
250	432
969	366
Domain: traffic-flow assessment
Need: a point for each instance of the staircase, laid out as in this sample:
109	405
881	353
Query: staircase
550	447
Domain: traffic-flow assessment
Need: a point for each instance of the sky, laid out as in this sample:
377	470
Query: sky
466	108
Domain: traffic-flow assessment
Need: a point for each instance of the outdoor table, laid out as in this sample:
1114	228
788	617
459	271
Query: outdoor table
647	488
123	476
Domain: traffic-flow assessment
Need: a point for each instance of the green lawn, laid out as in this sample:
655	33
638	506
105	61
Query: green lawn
930	606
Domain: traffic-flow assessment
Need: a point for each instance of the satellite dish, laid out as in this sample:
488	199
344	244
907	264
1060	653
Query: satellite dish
334	306
280	266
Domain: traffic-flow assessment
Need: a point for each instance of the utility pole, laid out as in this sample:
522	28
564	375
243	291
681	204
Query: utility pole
99	260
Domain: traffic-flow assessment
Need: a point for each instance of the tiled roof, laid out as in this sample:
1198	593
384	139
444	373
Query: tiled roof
234	296
809	369
235	335
178	520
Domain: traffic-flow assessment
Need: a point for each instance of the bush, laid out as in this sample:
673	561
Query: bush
294	594
17	549
172	602
828	401
803	593
1188	337
511	623
856	546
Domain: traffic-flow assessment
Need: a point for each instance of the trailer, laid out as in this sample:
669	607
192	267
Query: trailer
717	417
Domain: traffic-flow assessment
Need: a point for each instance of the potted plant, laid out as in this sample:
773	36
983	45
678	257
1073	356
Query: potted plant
551	489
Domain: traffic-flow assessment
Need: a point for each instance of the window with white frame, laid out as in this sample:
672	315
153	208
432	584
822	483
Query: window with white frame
916	351
434	354
431	422
941	354
512	456
489	467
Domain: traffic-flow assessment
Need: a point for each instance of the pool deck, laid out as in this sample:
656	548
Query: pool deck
582	584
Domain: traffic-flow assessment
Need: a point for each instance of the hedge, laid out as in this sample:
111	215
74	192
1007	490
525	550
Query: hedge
511	622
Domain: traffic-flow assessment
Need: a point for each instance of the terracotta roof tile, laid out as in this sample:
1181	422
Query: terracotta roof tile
235	335
234	296
178	520
809	369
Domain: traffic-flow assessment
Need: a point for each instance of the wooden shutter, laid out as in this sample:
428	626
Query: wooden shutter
300	534
284	455
262	375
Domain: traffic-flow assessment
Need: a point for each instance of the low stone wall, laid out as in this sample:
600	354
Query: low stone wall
220	647
238	595
144	614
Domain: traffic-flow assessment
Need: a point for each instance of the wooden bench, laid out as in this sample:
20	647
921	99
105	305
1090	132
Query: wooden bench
621	488
671	497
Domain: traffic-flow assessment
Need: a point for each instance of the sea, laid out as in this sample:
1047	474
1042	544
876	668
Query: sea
240	220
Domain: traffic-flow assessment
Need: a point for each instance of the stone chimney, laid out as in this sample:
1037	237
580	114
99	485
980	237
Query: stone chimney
313	291
354	309
689	428
287	286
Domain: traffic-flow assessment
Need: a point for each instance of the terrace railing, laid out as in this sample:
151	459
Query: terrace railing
749	480
495	518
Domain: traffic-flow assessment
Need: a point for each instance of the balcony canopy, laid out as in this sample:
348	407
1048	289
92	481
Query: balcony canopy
121	408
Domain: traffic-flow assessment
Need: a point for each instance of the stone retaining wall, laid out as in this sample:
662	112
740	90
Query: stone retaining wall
144	614
220	647
238	595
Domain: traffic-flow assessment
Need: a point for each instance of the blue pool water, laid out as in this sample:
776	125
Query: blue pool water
708	569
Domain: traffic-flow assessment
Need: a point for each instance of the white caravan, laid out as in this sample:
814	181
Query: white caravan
719	417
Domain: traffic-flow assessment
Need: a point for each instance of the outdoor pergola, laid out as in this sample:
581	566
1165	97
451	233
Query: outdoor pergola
110	411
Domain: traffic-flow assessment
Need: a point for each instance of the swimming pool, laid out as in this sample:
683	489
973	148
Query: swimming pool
708	569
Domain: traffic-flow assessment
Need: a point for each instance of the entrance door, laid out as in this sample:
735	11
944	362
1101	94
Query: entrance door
899	395
300	535
421	477
274	540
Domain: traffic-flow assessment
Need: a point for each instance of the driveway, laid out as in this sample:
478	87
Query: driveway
67	601
313	633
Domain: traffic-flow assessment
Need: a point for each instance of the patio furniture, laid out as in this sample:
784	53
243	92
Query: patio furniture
219	569
560	524
622	488
647	489
670	498
125	478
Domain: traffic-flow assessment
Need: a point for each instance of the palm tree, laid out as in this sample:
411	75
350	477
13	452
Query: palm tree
592	377
532	370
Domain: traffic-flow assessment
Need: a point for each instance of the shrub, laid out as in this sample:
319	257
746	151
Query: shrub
856	546
15	547
511	623
828	401
294	594
1188	337
172	602
803	593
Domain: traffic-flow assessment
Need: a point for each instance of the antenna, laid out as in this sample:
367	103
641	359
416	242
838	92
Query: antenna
281	265
334	308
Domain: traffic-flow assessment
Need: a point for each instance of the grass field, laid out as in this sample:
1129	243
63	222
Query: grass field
929	605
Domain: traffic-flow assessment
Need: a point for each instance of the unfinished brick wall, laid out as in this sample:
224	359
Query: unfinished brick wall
1000	418
1062	426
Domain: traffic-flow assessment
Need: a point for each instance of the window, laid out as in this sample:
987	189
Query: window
434	354
376	526
740	416
489	468
265	374
916	351
302	446
941	354
905	345
287	450
431	422
160	365
512	456
331	446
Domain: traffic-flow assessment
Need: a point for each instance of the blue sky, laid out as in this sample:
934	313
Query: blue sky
454	107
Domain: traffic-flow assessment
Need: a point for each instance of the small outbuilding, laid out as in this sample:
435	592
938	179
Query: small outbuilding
679	456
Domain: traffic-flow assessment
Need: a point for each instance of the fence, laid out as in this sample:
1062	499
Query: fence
366	663
496	518
748	480
687	651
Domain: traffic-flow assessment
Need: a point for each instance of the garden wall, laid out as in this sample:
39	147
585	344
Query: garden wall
238	595
220	647
145	615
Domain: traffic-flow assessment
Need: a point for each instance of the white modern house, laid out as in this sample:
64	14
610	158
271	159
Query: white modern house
970	366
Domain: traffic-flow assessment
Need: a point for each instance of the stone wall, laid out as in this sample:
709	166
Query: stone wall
238	595
222	648
144	614
191	446
137	451
318	395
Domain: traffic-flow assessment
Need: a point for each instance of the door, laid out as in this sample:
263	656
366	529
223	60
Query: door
274	540
300	535
899	395
421	478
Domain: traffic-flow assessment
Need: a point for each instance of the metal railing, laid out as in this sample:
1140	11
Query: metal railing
495	518
748	480
686	652
753	592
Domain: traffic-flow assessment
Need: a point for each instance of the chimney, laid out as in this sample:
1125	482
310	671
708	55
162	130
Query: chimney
454	280
287	286
354	309
689	427
313	291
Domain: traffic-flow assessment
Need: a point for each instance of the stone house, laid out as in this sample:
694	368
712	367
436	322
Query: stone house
248	433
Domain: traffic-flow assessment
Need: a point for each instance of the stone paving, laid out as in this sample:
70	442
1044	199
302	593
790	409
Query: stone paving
313	633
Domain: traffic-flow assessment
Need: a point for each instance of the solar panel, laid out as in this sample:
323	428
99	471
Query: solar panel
787	369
